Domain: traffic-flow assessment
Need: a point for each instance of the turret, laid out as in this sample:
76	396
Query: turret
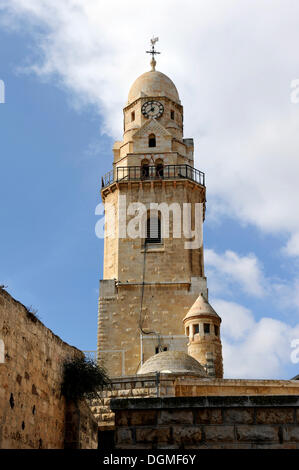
202	326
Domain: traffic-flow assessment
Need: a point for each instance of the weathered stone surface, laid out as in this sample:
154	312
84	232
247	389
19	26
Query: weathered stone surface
153	435
187	434
175	416
274	415
242	415
220	433
34	414
291	433
208	416
147	417
124	436
257	433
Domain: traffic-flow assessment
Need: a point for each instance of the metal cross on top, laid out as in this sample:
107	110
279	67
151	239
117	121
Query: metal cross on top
153	52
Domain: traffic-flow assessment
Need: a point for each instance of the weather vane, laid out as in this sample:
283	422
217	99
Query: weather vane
153	52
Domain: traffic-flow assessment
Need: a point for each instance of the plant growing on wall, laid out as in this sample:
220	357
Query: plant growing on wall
82	378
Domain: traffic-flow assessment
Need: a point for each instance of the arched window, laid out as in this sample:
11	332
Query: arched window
159	168
152	140
153	229
144	169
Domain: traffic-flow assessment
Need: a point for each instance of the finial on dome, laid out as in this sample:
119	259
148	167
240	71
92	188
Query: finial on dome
153	52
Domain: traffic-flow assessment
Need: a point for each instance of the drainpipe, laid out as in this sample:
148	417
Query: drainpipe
141	350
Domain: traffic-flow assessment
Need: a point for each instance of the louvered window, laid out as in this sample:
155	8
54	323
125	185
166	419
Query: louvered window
153	230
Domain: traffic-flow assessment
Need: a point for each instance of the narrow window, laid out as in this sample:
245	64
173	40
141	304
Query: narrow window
195	329
157	350
133	116
206	328
159	170
187	331
153	230
216	329
152	140
172	114
144	169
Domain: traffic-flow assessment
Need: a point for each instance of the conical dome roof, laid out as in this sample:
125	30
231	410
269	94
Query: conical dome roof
201	307
154	84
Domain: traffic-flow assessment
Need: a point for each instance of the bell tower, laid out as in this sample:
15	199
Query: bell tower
154	202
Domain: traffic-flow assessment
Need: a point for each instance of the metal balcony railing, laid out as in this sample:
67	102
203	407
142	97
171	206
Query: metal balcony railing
144	173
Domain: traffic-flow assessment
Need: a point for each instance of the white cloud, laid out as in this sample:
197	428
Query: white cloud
233	63
230	269
253	349
238	320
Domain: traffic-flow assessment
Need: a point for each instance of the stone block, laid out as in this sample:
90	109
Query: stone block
143	417
154	435
257	433
175	416
208	416
291	433
219	433
124	436
274	415
186	435
240	416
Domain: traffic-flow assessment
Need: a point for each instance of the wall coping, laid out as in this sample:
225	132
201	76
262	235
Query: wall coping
247	401
178	376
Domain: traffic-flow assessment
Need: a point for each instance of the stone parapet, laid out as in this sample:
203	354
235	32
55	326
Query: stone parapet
231	422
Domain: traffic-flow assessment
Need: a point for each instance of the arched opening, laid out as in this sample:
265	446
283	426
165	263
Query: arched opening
153	229
152	140
144	168
195	329
159	168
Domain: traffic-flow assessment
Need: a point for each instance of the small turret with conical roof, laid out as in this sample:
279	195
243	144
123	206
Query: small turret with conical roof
202	326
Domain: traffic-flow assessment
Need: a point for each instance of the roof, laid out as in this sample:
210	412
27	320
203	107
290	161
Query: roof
201	308
153	84
172	362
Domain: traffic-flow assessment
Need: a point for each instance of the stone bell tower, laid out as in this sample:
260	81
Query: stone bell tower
153	276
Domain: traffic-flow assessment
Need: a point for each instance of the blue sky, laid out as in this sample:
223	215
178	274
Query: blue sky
67	71
50	256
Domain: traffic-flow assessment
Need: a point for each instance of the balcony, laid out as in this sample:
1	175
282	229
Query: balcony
149	173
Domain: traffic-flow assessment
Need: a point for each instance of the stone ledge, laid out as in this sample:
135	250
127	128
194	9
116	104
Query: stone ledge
204	402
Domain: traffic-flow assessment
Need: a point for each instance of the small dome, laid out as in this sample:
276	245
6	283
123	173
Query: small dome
153	83
201	308
172	362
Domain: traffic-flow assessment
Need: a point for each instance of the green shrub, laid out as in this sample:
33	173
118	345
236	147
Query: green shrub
82	378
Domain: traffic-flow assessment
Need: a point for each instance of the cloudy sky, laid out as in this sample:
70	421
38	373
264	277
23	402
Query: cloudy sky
67	66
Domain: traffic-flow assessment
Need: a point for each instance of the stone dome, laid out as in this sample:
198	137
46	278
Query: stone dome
201	308
172	362
153	83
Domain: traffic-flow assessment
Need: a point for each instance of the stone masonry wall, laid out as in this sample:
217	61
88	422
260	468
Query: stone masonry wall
245	422
181	385
173	277
32	411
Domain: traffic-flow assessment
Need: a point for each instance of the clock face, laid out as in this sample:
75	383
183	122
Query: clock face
152	109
